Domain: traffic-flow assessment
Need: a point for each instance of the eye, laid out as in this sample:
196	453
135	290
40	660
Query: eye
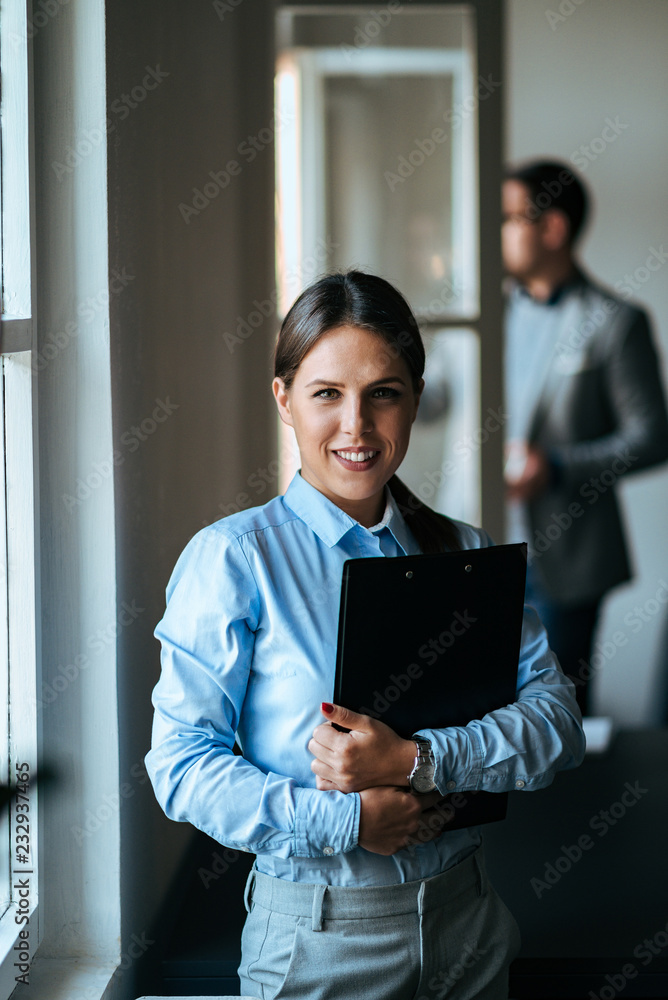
321	394
385	392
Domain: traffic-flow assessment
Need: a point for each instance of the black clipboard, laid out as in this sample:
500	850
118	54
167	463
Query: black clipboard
431	641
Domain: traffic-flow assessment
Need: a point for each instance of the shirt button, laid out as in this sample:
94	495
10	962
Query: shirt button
450	785
328	851
519	783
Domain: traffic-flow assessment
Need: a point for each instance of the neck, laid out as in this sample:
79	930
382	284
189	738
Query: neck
367	512
555	273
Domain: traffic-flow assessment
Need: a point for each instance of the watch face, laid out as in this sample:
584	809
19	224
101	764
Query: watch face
422	782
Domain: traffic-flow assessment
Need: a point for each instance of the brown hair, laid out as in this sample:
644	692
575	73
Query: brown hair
353	298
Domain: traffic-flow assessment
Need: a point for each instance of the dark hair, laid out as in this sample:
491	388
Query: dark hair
353	298
552	184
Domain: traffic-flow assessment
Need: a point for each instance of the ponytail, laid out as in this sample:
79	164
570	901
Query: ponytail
432	531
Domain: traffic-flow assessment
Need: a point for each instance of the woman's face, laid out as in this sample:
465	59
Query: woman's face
351	405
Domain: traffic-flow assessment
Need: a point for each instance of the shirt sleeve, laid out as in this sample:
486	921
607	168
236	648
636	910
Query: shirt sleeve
523	745
207	637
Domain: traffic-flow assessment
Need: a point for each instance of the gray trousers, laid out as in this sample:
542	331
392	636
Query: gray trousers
449	936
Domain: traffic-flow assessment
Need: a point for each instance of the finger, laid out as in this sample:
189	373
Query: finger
428	799
323	770
327	736
345	717
323	753
324	785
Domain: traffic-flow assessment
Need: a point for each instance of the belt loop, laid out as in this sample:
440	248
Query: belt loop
420	898
250	881
316	912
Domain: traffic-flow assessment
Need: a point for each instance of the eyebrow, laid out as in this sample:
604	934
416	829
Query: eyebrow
339	385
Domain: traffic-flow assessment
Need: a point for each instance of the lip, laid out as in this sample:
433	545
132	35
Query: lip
357	466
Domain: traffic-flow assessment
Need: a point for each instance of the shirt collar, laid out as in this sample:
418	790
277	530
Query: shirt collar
572	284
330	523
395	524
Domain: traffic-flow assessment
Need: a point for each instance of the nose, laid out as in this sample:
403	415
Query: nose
356	418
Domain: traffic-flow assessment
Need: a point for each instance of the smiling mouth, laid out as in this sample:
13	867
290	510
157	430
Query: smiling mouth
357	456
358	461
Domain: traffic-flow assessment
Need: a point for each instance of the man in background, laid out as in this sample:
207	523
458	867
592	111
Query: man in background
585	406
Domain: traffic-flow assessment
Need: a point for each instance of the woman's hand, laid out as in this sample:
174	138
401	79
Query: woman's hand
370	754
393	818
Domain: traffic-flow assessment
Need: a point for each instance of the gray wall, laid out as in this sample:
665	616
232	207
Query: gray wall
146	408
194	277
566	75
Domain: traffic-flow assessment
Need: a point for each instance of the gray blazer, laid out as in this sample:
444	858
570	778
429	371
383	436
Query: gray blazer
600	415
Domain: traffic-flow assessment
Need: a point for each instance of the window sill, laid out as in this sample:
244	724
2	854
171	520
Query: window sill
67	979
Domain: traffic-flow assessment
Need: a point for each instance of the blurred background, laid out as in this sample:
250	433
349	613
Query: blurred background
186	170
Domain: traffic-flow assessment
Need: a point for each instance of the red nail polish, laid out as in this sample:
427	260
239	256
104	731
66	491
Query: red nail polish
327	708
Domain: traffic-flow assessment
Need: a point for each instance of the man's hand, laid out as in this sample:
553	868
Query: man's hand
370	754
534	478
394	818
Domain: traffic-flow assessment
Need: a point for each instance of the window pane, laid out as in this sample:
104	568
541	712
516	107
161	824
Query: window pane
442	465
377	168
377	153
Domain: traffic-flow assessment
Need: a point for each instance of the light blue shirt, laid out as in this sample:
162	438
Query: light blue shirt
249	649
534	330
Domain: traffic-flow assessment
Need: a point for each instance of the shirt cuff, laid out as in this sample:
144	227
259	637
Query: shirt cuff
326	823
458	758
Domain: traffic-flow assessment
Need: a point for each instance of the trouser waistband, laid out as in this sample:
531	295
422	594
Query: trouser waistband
335	902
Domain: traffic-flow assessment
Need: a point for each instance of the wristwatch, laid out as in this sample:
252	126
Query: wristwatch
421	777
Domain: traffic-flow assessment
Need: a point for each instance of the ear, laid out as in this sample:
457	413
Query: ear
418	393
282	397
556	229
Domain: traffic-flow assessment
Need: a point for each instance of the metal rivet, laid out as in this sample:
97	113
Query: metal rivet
409	574
468	568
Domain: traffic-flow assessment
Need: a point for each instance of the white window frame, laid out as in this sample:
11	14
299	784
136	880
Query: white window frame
19	603
309	69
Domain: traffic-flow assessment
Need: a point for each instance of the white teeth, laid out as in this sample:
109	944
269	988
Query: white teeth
361	456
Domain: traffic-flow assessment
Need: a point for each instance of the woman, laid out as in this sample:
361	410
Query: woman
356	891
